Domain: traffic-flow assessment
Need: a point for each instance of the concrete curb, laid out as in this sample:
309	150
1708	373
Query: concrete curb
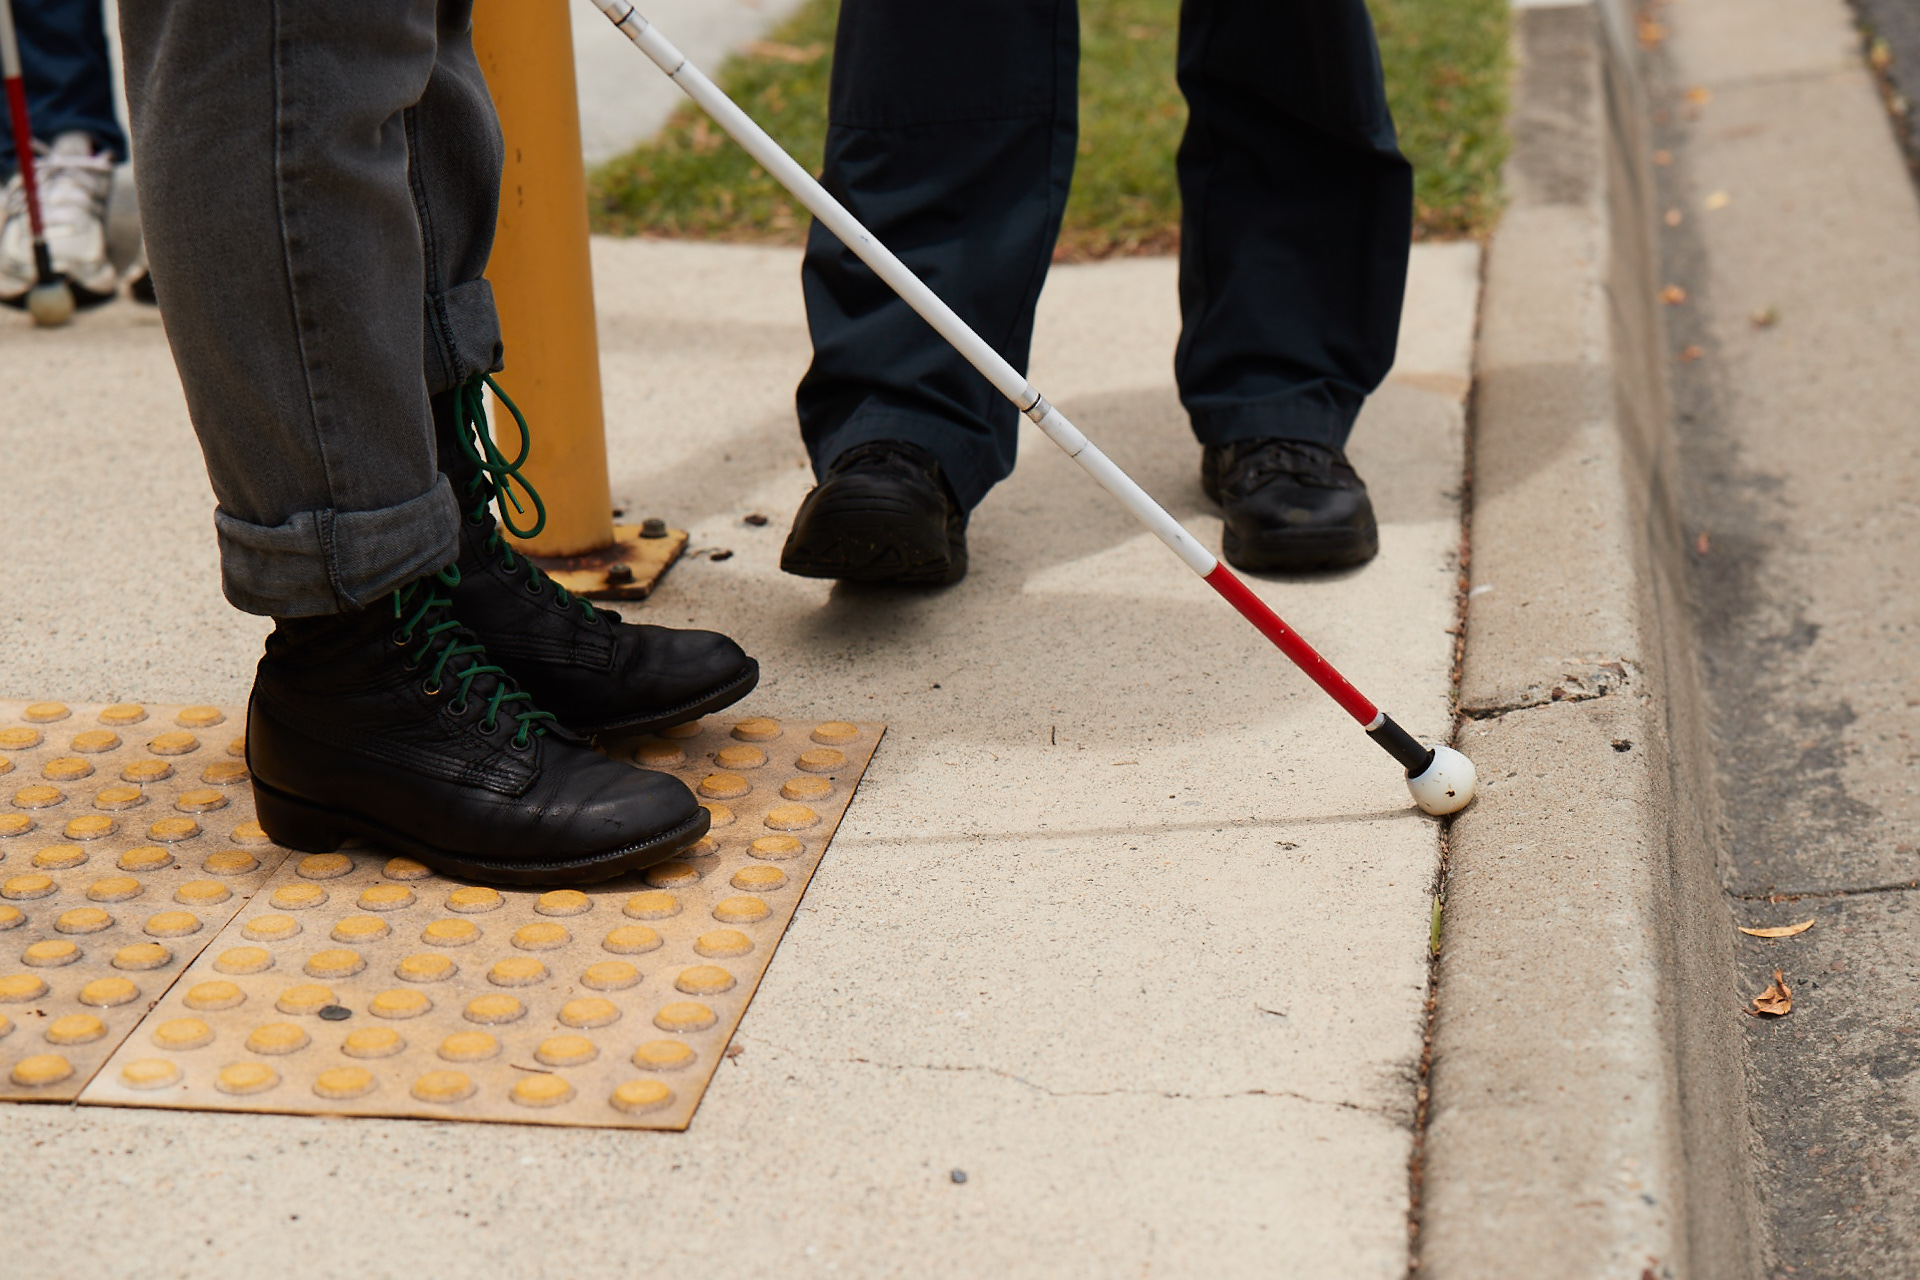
1587	1112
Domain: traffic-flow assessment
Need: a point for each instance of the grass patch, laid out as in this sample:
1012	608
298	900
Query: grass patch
1447	71
1446	65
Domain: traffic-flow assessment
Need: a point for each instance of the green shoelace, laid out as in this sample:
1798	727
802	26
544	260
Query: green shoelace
497	479
443	644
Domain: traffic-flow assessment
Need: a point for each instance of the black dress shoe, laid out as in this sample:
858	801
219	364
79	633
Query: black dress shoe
596	673
883	514
1291	506
391	724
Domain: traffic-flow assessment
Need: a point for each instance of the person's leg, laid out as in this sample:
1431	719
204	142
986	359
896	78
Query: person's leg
951	137
277	140
279	219
67	75
69	87
1295	228
1297	214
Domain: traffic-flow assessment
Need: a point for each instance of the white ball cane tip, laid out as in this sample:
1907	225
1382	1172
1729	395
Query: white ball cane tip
1446	786
50	304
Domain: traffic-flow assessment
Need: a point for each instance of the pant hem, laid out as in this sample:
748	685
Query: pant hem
947	443
1283	419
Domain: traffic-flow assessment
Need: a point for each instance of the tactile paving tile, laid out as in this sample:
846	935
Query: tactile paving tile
355	984
127	842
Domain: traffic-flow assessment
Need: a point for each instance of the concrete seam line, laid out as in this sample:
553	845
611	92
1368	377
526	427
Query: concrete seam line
1423	1076
1586	1112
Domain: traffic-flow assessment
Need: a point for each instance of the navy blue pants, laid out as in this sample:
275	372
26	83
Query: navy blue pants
952	134
64	69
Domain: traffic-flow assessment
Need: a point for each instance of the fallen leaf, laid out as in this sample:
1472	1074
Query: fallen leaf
1699	95
1673	295
1779	931
1765	318
1880	55
1702	544
1663	158
1718	200
722	554
1690	353
1651	33
1673	217
1776	1001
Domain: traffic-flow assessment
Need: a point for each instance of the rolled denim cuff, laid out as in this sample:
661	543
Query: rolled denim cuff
463	335
322	562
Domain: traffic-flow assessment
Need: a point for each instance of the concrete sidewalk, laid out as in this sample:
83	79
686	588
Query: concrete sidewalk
623	98
1128	922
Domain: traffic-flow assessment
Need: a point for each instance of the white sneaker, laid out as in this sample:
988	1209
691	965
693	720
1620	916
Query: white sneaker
74	184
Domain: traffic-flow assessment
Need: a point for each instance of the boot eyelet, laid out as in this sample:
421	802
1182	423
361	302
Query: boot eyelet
533	586
457	707
431	689
489	725
520	741
401	639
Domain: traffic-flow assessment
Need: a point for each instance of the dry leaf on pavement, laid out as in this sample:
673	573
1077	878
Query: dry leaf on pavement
1780	931
1699	94
1776	1000
1673	295
1718	200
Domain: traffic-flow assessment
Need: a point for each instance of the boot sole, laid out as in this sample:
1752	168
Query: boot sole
311	828
1299	553
870	537
725	696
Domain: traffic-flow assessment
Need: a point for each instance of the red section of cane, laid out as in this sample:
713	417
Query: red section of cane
23	148
1304	655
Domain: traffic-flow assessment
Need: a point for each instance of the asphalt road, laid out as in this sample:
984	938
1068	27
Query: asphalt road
1897	22
1793	230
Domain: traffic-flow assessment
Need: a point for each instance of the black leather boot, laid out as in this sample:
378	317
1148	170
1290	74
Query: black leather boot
391	724
883	514
1291	506
598	674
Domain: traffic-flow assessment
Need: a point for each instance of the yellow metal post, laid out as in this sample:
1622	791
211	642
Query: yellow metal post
541	272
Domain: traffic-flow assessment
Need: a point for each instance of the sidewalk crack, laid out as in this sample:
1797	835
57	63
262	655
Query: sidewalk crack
1795	895
1052	1092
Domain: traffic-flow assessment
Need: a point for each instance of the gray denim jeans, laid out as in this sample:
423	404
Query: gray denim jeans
318	181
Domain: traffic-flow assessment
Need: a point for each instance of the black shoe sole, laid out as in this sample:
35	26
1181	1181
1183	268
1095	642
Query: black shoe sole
310	828
1307	552
725	696
866	537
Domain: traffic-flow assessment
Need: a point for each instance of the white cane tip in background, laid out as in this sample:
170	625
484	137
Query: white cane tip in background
1446	785
50	304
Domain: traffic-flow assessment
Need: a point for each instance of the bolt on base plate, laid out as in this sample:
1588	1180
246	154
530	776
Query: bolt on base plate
629	569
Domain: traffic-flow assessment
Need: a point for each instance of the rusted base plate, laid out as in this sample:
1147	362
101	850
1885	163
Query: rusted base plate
357	983
627	570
